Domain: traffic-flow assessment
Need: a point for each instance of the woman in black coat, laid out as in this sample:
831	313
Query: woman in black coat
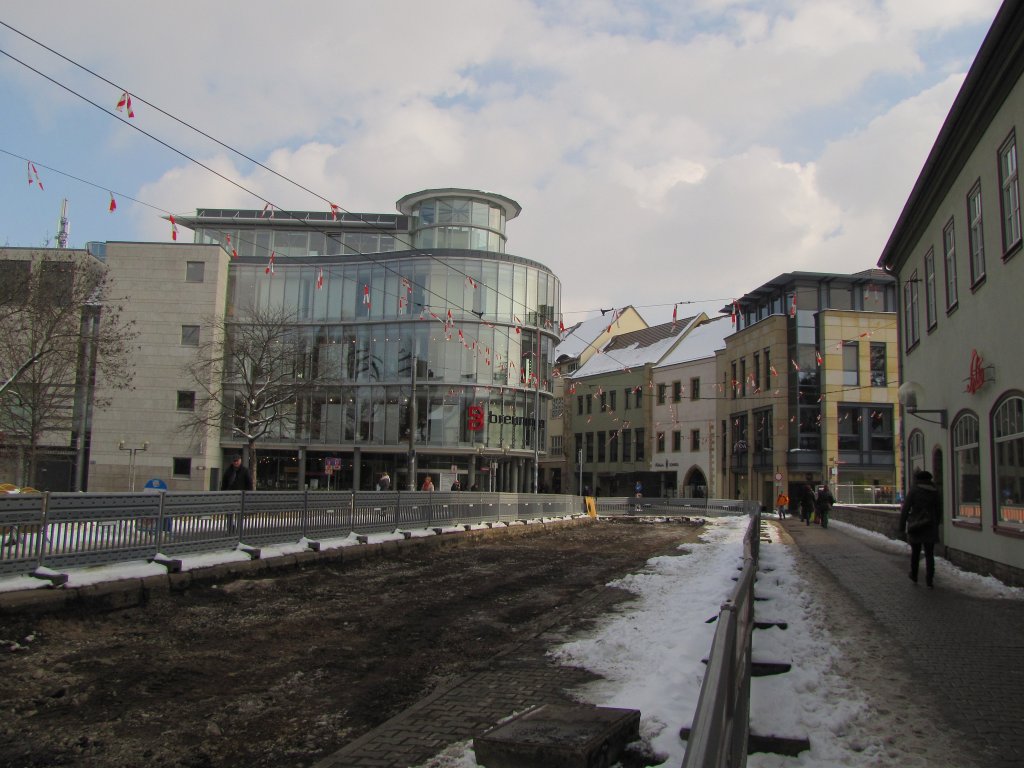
919	524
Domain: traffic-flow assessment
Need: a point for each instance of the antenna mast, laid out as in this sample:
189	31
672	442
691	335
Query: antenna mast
65	226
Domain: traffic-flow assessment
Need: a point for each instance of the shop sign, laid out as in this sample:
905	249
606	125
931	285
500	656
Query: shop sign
976	378
476	418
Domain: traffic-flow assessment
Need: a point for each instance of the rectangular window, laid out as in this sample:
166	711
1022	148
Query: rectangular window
662	388
601	447
677	391
966	469
851	363
929	289
627	452
757	371
695	440
194	271
975	236
625	399
659	439
743	377
613	447
611	399
881	429
878	367
695	388
1008	438
1010	194
590	403
767	369
735	383
849	427
639	452
579	446
949	256
604	402
677	441
590	447
639	392
190	335
911	331
186	401
579	405
182	467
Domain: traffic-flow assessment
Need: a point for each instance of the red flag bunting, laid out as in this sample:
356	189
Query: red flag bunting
334	211
320	279
174	228
817	356
270	264
125	102
792	306
113	203
366	296
33	175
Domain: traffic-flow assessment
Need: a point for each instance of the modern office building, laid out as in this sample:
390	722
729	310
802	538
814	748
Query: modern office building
807	388
424	347
956	251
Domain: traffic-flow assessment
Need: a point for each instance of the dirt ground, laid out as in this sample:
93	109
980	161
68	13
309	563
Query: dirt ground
288	668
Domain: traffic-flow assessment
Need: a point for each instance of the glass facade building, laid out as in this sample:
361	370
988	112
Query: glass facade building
426	347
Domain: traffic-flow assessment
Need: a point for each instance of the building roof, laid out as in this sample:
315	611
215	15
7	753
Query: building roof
582	336
701	342
638	348
994	73
408	202
786	279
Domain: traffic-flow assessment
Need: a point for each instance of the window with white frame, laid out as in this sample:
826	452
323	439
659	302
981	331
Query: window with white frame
949	257
911	331
1008	460
930	314
851	363
915	451
975	236
1010	193
190	335
966	469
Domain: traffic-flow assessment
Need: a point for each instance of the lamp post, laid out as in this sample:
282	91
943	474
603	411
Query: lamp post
131	460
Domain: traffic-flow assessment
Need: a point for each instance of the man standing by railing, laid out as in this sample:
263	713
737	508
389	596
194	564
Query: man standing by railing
236	478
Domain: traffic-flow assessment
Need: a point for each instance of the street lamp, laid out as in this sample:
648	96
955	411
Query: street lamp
131	460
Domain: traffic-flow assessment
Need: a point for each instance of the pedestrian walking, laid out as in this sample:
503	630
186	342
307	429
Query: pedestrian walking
823	505
919	524
806	504
781	503
384	483
428	484
456	486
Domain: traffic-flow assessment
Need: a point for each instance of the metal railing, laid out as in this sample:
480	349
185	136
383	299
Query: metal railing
652	505
721	722
57	530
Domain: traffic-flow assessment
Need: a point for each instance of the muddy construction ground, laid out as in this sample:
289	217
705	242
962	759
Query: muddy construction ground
284	669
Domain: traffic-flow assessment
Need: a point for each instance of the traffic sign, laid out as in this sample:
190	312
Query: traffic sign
156	484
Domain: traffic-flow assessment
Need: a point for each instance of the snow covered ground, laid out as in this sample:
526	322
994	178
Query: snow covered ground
676	595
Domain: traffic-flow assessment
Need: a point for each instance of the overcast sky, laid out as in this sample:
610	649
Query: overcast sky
662	151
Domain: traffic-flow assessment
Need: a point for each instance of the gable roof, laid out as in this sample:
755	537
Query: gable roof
701	342
638	348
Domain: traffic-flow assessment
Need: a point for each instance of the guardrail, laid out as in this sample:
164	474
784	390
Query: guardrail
651	505
721	722
57	530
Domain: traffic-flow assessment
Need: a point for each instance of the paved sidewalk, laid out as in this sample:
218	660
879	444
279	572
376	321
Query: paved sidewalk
963	652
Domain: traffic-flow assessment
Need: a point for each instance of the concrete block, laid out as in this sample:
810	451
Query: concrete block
43	600
559	736
111	595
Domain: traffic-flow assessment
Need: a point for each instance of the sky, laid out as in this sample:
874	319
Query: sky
630	649
662	152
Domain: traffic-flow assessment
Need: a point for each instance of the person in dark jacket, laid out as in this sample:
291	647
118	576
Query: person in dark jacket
236	478
921	504
806	504
823	505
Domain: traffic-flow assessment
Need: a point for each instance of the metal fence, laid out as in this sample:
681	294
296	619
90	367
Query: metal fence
721	723
865	494
646	505
59	530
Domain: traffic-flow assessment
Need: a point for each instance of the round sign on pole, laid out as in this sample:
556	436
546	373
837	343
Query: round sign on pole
156	484
778	475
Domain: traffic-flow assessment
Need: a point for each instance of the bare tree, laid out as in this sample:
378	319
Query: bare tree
251	376
61	334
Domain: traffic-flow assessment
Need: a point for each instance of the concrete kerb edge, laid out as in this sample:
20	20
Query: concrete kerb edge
124	593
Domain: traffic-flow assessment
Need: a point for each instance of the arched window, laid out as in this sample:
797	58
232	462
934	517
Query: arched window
915	452
1008	460
966	469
